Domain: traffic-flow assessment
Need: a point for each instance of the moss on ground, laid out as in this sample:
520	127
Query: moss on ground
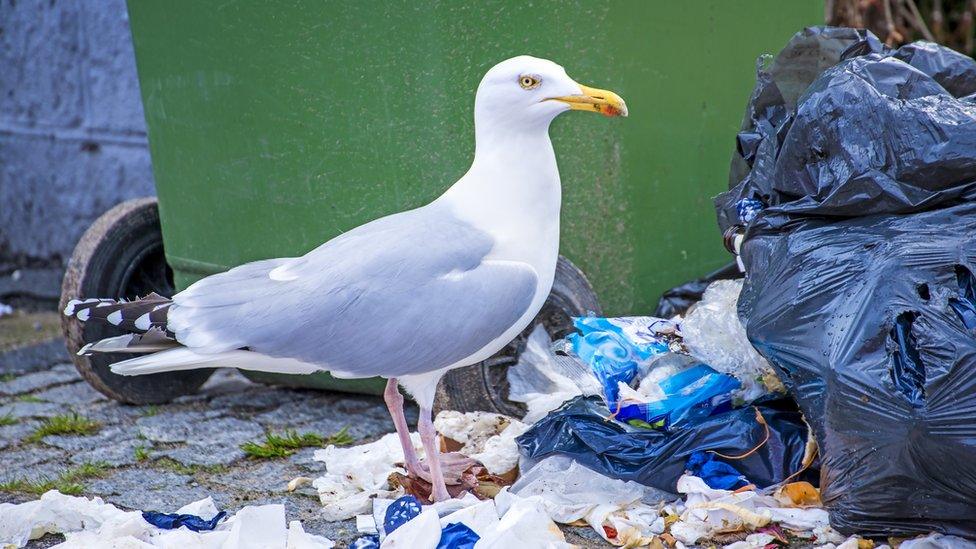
286	444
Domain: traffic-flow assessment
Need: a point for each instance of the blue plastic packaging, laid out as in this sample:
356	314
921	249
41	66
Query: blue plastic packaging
169	521
691	395
457	536
369	541
400	512
717	474
616	347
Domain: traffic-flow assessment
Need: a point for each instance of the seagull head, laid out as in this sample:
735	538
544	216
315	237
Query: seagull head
529	92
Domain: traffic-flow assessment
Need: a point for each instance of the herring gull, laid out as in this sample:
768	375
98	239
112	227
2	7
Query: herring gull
406	297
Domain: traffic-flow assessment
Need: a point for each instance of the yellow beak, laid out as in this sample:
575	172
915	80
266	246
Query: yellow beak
604	102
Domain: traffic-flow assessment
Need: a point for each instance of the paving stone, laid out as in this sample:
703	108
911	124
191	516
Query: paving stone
74	393
267	476
38	472
261	398
29	463
216	442
62	373
21	409
11	434
166	426
76	443
150	489
116	454
110	412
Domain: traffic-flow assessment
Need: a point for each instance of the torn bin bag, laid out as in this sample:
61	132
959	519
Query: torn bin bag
582	430
865	321
859	287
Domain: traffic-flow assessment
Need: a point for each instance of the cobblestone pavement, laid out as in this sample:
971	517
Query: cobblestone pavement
162	457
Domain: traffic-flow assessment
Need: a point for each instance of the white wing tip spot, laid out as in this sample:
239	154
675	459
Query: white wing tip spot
143	323
115	318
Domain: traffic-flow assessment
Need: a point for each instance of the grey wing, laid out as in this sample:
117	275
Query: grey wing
406	294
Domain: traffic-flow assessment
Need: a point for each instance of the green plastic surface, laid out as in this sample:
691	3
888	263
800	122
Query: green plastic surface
274	126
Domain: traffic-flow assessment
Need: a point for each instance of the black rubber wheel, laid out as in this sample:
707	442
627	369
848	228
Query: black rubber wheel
484	386
121	255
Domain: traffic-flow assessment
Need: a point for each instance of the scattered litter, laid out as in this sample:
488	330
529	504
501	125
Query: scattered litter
298	482
617	348
5	310
457	536
715	473
686	396
615	509
87	523
713	333
356	474
486	437
199	516
543	380
707	512
366	542
938	541
399	512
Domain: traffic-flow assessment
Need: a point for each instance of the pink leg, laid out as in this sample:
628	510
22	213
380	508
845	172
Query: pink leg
394	401
429	436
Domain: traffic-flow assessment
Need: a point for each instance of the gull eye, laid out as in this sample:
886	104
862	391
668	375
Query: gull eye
529	82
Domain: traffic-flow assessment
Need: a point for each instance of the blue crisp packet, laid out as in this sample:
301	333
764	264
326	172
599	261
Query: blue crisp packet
718	475
401	511
170	521
615	347
457	535
690	395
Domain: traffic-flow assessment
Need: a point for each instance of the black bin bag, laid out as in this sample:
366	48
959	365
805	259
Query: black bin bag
859	285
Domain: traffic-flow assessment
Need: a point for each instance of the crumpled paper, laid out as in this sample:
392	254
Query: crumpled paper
356	474
543	381
571	492
706	512
88	523
486	437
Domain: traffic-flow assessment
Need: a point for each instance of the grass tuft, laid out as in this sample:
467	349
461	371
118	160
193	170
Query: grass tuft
29	398
68	482
65	424
141	453
10	376
284	445
8	419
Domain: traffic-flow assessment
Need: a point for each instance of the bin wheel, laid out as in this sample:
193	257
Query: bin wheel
121	255
484	386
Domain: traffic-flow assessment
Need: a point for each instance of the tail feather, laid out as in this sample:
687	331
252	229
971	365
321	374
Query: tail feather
150	342
140	315
182	358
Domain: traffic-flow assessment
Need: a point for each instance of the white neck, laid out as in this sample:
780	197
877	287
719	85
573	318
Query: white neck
512	191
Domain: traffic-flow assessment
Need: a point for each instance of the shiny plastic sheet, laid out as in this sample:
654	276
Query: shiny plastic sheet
580	429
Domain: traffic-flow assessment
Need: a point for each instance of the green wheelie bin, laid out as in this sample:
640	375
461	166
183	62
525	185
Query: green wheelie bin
275	126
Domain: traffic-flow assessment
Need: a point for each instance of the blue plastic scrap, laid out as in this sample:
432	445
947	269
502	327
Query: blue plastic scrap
169	521
400	512
748	208
615	348
457	535
718	475
370	541
965	304
691	395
